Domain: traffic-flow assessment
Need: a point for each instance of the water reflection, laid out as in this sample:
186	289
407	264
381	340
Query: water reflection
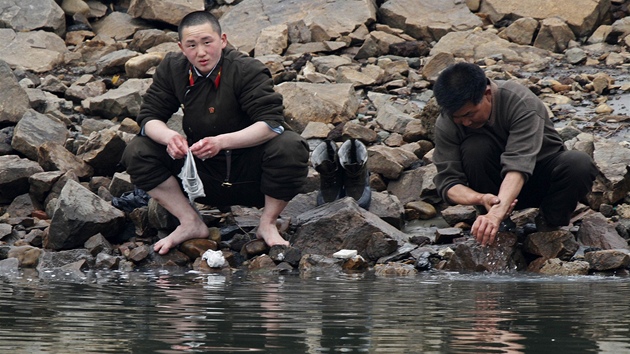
319	313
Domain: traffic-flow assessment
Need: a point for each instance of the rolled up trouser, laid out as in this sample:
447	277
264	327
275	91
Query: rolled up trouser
277	168
556	185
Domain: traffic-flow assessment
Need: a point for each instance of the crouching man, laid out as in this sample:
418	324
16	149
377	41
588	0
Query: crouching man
233	121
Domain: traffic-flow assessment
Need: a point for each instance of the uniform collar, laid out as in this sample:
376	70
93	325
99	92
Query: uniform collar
214	74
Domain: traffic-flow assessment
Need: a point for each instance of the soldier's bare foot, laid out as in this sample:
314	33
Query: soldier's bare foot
184	232
269	233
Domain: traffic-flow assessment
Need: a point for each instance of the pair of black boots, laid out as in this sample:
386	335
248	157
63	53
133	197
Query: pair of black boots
343	172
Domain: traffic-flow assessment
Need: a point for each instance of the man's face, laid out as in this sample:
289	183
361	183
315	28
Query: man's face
475	116
202	46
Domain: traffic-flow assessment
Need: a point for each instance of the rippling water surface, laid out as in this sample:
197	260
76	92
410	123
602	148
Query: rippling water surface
164	312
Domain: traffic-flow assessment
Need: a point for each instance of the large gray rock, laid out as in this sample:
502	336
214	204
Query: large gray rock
103	151
597	231
14	174
342	224
481	45
419	20
14	101
119	26
583	16
613	182
35	129
29	15
304	103
79	215
326	19
169	11
502	256
38	51
122	101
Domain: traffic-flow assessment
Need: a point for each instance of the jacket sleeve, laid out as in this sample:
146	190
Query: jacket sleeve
160	101
447	158
257	96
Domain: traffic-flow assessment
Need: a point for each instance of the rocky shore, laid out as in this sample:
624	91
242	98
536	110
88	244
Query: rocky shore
74	73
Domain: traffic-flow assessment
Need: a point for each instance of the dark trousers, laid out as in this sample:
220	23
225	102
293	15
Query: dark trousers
557	184
277	168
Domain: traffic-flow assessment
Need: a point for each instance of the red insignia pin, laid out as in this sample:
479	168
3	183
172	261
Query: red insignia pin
211	109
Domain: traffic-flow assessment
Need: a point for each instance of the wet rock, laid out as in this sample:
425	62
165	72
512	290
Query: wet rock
394	269
139	253
195	248
10	266
98	244
597	231
261	262
315	262
342	224
173	258
106	261
254	248
356	263
608	259
556	244
58	259
556	266
289	255
28	256
502	256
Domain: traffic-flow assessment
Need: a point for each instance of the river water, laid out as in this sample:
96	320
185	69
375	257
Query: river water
432	312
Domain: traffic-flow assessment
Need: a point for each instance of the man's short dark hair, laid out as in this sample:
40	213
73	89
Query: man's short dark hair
198	18
459	84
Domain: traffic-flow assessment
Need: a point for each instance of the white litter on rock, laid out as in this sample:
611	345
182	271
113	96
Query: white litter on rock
345	254
214	259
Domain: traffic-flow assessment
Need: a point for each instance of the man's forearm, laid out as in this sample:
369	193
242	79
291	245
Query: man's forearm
500	205
464	195
509	190
253	135
159	132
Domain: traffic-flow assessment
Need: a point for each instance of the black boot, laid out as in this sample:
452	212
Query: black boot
325	162
353	158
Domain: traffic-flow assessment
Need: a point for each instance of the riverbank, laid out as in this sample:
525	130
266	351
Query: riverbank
68	115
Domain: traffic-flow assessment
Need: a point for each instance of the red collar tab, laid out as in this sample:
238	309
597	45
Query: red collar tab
191	80
217	80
